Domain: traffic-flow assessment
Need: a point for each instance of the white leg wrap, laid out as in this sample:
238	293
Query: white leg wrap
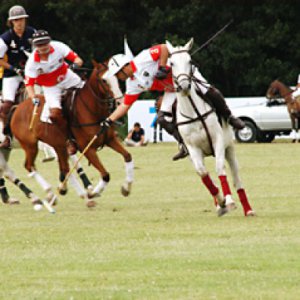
74	159
129	167
293	134
99	188
77	187
40	180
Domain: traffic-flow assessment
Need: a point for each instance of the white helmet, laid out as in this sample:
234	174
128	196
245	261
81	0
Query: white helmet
17	12
116	63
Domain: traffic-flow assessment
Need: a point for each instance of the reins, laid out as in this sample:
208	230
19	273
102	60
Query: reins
108	99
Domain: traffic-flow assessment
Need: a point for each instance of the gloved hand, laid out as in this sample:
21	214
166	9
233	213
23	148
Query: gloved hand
162	73
19	72
105	125
36	101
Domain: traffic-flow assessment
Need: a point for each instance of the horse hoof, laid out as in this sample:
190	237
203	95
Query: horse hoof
13	201
91	203
231	206
63	192
125	192
126	188
250	213
221	211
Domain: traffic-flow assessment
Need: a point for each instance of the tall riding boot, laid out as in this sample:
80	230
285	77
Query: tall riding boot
183	151
222	109
4	111
57	117
171	129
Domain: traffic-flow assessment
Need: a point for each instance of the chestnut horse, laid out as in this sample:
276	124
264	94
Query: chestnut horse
279	90
87	109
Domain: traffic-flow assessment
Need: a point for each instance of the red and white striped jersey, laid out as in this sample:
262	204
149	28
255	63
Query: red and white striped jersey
145	66
50	72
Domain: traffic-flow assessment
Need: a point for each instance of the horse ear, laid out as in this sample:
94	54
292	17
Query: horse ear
188	46
169	46
95	64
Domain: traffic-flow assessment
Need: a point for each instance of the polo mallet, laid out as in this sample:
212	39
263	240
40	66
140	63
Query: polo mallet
213	37
34	114
82	154
48	206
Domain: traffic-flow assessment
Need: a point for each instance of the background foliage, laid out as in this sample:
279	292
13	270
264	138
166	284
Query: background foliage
261	45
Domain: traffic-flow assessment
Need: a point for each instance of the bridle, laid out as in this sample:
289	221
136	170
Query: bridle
98	89
184	76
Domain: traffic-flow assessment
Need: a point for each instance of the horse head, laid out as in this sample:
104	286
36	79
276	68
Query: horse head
273	91
181	63
107	89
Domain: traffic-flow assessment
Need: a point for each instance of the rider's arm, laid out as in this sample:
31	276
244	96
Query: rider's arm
123	108
164	55
30	91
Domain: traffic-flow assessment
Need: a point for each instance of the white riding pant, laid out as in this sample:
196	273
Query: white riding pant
167	101
53	93
10	86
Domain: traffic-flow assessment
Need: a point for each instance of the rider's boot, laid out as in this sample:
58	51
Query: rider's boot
222	109
171	128
4	111
183	151
57	117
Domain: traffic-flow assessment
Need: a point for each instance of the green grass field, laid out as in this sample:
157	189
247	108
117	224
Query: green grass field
165	240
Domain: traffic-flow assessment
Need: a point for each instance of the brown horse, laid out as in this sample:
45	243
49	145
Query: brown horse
86	110
91	106
279	90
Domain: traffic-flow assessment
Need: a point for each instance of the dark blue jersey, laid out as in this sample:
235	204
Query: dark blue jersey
137	135
15	48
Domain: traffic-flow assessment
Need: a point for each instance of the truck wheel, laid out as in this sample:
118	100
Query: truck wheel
247	134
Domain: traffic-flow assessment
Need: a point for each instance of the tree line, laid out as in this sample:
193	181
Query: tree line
260	45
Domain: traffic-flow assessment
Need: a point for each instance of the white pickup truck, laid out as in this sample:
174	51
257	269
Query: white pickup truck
263	120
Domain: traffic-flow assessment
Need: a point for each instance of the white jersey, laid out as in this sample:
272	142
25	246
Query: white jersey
145	66
50	72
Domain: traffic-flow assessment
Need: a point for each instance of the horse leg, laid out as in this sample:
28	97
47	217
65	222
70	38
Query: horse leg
92	157
233	164
293	133
85	180
297	129
198	162
129	165
220	169
31	151
49	152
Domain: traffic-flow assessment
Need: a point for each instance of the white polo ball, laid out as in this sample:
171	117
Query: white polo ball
37	207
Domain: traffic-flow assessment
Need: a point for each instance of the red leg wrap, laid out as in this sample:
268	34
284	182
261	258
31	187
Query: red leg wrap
210	185
244	200
225	186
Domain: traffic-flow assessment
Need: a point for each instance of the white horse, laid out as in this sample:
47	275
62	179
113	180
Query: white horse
201	131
